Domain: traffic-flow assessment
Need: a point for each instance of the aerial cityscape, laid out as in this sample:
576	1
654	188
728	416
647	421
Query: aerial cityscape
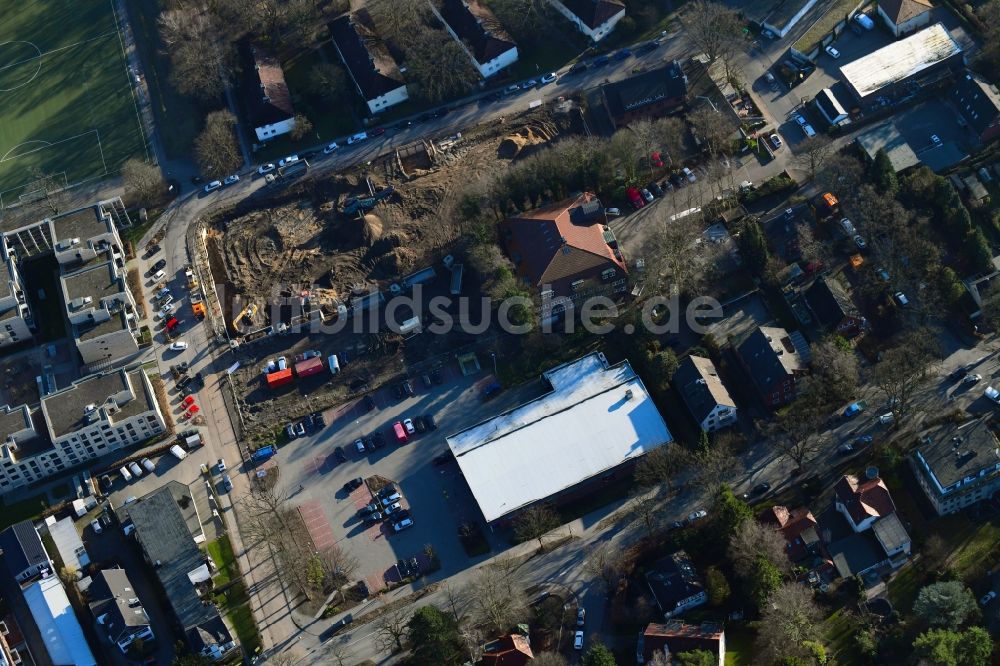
500	332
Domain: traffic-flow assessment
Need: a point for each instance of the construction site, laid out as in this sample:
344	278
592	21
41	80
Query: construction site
333	244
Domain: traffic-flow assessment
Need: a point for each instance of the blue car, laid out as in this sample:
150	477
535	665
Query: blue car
601	61
491	390
621	55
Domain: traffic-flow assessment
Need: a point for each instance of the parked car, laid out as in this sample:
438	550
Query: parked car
845	449
374	517
227	483
429	421
988	597
288	161
992	394
600	61
96	526
300	429
901	299
353	483
622	55
330	147
403	524
578	640
369	402
318	420
418	423
689	174
549	78
230	180
393	509
388	500
635	197
834	53
646	195
407	388
179	345
775	141
105	482
148	465
436	376
612	212
339	454
400	432
359	446
757	490
408	424
212	186
859	241
696	515
581	616
512	89
655	189
491	390
135	469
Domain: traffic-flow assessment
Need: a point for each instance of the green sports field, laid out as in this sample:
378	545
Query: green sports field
67	108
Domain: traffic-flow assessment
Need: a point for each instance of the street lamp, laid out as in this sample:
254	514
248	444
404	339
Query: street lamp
494	356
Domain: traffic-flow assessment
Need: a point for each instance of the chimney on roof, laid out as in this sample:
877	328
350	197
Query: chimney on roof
628	394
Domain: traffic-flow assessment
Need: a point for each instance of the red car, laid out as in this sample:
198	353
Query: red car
192	410
188	401
400	432
172	323
656	160
635	198
378	131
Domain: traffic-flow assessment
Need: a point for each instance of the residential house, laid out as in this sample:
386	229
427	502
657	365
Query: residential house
978	101
956	464
833	307
374	71
69	545
23	554
267	99
675	637
675	584
830	107
905	16
799	528
704	394
88	419
168	528
566	252
510	650
774	360
12	642
118	610
862	530
647	95
862	502
473	25
594	18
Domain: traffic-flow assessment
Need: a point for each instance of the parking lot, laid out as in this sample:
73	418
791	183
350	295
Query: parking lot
434	493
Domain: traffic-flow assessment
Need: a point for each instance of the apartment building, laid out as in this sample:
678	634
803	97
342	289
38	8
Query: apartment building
90	418
16	323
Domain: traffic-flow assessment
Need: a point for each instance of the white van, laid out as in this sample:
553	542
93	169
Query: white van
135	469
159	275
125	473
333	363
357	138
282	363
178	452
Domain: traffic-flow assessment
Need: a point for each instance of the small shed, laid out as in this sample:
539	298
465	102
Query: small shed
279	378
310	366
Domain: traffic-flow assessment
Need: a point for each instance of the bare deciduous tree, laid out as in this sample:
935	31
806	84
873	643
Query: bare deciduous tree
604	562
391	629
712	28
788	620
812	154
549	659
199	60
301	127
712	127
144	182
496	599
647	509
662	465
904	368
714	464
535	522
751	540
797	431
217	150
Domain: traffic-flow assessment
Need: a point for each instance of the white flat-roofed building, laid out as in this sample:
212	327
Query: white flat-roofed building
596	420
920	55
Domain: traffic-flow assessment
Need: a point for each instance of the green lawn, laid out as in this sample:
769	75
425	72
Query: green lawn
22	510
839	630
221	552
179	119
739	646
233	600
67	107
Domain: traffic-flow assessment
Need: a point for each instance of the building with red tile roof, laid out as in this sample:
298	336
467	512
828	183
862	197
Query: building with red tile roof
566	252
798	526
510	650
863	502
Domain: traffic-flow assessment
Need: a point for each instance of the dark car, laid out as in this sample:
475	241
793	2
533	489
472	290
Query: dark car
318	420
339	454
407	387
387	490
492	390
335	627
622	55
159	265
418	423
404	568
600	61
374	517
436	376
757	490
368	402
677	180
429	421
106	483
400	515
676	525
655	189
377	438
377	131
352	484
577	68
370	508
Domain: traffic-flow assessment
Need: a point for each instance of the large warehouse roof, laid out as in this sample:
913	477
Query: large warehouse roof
595	418
900	60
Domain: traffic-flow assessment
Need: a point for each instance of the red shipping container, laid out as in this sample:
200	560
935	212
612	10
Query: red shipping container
310	366
279	378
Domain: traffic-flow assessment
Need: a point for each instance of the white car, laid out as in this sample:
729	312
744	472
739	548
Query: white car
834	53
578	640
408	424
214	185
988	597
696	515
804	124
612	212
167	308
848	227
391	499
330	148
689	174
180	345
549	78
972	379
286	161
581	617
229	180
403	524
96	526
992	394
265	168
359	445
